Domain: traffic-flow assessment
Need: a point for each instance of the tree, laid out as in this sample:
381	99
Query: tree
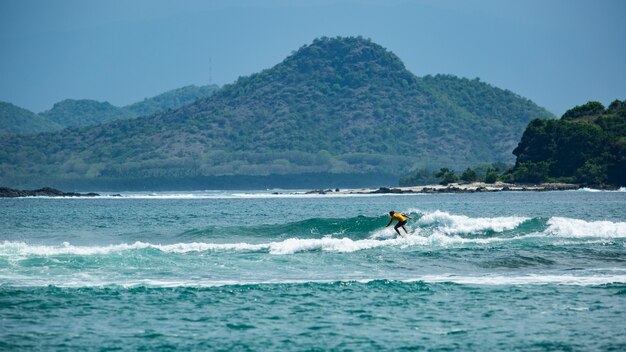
533	172
593	172
469	176
447	176
492	175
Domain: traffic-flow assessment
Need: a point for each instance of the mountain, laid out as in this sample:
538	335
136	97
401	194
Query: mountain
171	100
14	119
587	145
339	108
85	112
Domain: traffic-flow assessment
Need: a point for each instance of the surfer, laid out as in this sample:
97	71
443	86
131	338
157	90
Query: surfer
401	219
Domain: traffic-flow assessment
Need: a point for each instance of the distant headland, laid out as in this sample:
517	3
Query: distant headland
476	187
42	192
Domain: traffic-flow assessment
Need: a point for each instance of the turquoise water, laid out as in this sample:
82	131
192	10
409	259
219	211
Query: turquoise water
257	271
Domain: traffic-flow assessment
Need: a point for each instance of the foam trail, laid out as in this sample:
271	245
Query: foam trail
565	227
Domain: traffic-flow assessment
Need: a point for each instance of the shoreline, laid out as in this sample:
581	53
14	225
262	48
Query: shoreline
476	187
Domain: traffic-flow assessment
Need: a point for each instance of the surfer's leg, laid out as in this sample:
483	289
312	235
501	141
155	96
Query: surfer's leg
399	225
398	230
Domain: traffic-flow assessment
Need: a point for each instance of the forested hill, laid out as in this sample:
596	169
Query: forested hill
85	112
587	145
14	119
336	106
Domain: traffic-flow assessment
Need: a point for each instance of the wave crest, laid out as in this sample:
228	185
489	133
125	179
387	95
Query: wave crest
566	227
455	224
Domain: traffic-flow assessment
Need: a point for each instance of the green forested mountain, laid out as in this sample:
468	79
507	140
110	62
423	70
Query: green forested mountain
338	106
85	112
587	145
14	119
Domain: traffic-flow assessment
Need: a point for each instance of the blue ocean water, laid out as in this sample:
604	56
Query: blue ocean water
260	271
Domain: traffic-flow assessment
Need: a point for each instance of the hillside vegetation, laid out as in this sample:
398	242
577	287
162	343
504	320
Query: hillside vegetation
587	145
14	119
85	112
338	106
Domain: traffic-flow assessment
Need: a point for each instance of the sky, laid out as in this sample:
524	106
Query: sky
558	53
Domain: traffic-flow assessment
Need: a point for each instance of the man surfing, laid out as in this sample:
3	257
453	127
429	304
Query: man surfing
401	219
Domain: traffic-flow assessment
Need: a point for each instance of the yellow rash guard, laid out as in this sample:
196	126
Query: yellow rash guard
398	217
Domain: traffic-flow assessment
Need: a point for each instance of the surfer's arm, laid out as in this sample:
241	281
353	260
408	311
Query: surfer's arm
408	216
390	221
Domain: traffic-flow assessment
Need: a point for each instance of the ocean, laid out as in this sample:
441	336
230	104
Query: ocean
531	271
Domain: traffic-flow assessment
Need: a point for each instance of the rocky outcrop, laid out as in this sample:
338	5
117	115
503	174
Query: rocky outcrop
472	188
42	192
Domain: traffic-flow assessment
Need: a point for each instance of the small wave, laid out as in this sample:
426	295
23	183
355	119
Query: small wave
23	249
287	246
478	280
533	279
565	227
586	189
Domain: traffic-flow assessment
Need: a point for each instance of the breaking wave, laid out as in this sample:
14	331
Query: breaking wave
436	228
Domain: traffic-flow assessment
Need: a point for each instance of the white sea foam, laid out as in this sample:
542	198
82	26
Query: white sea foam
329	244
565	227
23	249
456	224
288	246
585	189
532	279
478	280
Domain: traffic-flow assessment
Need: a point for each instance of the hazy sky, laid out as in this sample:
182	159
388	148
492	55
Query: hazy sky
558	53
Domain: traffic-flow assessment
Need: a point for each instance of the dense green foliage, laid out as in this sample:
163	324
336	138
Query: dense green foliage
14	119
338	106
587	145
469	176
591	109
84	112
